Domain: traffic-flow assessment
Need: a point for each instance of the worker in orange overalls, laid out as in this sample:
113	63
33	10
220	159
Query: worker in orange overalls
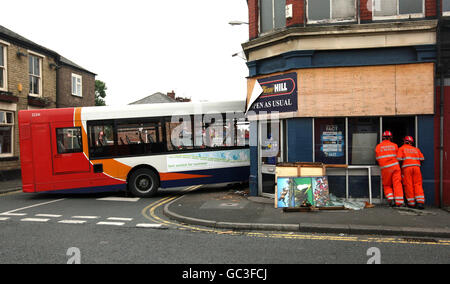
391	177
410	157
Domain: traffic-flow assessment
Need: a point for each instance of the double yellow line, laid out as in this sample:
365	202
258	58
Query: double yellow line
149	213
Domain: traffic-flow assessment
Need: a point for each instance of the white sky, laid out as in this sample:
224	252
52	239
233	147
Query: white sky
139	47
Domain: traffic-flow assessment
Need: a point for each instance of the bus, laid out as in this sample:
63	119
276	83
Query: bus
133	148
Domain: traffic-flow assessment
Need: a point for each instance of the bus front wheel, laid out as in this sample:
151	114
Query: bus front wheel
143	183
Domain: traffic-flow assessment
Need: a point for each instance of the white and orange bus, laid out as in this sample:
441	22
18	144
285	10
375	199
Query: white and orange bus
134	148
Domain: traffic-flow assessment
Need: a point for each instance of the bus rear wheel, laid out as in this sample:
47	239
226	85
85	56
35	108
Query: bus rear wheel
143	183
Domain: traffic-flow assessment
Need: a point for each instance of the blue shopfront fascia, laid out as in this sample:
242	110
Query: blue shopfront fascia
299	59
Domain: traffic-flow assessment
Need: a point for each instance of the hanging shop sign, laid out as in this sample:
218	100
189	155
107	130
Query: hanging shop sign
279	93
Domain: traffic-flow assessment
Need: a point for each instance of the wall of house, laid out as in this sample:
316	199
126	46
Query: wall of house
65	97
18	86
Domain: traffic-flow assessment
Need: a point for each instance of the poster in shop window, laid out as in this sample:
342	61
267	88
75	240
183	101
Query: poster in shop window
332	140
279	94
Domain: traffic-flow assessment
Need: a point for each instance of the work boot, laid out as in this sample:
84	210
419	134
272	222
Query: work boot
391	203
420	206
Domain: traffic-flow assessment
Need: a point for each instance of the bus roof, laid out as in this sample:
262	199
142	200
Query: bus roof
130	111
158	110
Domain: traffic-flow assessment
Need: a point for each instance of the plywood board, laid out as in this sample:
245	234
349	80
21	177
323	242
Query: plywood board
415	89
311	172
386	90
347	91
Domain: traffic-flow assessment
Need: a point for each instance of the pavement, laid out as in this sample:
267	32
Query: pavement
232	208
9	185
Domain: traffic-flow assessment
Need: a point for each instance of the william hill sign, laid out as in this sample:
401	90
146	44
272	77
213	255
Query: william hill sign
279	94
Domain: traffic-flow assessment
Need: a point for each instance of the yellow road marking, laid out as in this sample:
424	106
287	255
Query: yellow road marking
11	192
149	213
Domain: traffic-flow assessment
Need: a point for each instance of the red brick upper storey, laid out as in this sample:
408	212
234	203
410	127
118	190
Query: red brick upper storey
299	15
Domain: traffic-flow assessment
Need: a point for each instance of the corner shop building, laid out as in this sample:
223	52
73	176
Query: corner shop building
336	114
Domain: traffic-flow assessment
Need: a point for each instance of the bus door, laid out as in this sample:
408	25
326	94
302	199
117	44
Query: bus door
67	150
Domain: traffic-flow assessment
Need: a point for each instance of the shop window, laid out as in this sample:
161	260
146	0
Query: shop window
6	133
363	136
101	141
331	10
273	15
329	140
446	7
34	68
68	140
135	138
3	78
398	8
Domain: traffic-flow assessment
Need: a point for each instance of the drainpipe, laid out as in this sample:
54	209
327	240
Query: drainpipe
440	69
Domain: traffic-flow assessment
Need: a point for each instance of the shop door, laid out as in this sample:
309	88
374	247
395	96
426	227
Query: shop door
270	153
400	127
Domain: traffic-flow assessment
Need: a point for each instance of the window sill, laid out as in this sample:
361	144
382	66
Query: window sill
331	21
38	101
77	96
8	158
398	17
8	97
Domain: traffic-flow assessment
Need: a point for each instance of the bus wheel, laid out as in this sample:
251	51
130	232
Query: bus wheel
143	183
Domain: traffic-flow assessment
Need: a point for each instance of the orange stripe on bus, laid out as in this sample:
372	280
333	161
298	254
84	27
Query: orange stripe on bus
177	176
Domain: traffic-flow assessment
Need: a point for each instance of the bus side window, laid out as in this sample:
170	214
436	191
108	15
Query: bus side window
101	141
68	140
139	138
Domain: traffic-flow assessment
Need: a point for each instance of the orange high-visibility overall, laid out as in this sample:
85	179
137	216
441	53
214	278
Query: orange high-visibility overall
410	157
386	155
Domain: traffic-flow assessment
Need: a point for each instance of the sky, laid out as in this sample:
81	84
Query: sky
140	47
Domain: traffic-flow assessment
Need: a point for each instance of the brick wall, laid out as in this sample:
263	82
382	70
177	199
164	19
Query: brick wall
18	76
430	8
65	97
298	17
365	10
253	18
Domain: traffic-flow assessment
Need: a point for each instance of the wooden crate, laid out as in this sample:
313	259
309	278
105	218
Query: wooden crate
300	170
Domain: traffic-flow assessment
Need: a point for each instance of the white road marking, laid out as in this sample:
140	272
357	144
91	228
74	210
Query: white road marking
48	215
147	225
111	223
85	217
34	220
4	218
13	214
35	205
72	221
126	199
119	219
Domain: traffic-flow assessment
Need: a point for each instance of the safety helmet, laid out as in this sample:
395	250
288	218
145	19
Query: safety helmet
387	134
409	140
